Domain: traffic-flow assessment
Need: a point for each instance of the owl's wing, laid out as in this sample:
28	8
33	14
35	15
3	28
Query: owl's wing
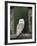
19	29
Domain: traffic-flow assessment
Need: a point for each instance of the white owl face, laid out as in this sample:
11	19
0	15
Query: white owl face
21	21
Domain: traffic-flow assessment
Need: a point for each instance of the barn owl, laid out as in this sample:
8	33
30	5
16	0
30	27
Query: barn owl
20	27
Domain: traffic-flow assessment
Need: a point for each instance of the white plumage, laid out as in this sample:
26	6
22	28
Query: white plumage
20	26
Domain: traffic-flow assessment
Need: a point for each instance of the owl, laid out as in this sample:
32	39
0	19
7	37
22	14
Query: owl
20	27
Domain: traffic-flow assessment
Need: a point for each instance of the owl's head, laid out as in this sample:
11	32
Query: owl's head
21	21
